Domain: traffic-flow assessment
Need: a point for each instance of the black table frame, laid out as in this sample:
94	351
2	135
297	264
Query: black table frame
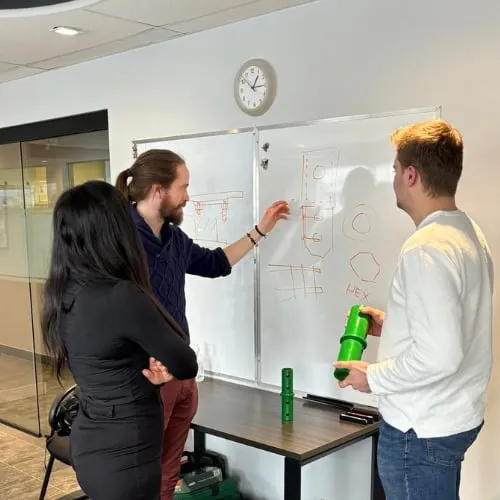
293	466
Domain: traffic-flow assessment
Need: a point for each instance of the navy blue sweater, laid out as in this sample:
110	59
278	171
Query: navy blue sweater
170	258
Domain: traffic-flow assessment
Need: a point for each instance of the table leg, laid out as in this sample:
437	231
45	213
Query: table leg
293	479
199	443
377	491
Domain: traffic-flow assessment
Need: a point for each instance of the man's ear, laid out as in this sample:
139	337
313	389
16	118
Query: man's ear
154	190
412	175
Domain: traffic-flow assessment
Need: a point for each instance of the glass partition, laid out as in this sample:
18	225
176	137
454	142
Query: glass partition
18	377
32	176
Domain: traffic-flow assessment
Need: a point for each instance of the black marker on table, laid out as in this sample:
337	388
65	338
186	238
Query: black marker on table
347	417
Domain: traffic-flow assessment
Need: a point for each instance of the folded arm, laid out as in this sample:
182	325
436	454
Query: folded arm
144	325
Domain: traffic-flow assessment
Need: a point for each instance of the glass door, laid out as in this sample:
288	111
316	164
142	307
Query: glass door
32	177
18	370
50	167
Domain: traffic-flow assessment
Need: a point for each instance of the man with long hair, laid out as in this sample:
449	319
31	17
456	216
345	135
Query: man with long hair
157	187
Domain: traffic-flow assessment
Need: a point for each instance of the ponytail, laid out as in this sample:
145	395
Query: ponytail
122	183
155	166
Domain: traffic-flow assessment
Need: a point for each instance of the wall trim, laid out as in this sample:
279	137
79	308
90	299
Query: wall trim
23	354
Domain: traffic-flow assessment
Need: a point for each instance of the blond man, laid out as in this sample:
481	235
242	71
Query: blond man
435	354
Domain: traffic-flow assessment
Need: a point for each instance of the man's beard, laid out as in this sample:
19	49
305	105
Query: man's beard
172	215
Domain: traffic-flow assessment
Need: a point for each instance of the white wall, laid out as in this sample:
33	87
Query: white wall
332	58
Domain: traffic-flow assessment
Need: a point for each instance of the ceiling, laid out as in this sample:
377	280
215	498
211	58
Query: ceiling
28	47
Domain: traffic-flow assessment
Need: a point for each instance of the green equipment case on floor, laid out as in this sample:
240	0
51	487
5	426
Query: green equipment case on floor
223	490
204	477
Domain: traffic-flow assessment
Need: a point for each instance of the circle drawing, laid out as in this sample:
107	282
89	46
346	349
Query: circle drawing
319	172
359	222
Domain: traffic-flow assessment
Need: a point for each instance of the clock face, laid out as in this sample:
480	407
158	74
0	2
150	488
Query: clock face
255	87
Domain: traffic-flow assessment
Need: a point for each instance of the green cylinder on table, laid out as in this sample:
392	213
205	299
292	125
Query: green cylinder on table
287	380
287	394
353	341
286	407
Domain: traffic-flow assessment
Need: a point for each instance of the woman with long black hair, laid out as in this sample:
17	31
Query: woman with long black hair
101	320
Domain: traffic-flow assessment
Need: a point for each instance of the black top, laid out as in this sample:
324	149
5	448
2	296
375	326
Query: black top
110	331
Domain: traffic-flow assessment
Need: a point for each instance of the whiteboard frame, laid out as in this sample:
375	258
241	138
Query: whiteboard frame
256	282
232	131
346	118
257	382
256	261
349	118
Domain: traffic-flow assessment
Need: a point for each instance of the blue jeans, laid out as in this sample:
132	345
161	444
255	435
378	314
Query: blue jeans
413	468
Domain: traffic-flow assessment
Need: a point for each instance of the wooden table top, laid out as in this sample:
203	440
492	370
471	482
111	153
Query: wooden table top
253	417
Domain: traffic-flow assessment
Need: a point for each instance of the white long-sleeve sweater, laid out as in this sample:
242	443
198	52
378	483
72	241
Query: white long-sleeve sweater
435	350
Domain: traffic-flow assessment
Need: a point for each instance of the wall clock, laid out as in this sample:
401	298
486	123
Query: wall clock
255	87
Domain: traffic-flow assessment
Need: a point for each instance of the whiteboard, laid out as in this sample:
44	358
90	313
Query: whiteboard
340	246
220	311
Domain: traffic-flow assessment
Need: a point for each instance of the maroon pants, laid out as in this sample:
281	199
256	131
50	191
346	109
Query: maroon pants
180	402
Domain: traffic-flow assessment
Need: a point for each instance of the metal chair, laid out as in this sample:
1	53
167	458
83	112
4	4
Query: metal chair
62	412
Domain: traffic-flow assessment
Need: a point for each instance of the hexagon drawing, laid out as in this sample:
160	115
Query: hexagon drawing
365	266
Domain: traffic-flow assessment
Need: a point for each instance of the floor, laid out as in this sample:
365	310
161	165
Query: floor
22	468
23	402
22	456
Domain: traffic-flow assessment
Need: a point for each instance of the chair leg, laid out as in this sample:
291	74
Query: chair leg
46	478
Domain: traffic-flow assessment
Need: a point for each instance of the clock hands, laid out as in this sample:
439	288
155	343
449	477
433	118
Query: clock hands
254	86
249	84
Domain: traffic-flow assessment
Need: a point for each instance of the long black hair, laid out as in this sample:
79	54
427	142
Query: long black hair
94	240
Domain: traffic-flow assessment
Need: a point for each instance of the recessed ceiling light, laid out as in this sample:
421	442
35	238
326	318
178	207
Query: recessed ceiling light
65	30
